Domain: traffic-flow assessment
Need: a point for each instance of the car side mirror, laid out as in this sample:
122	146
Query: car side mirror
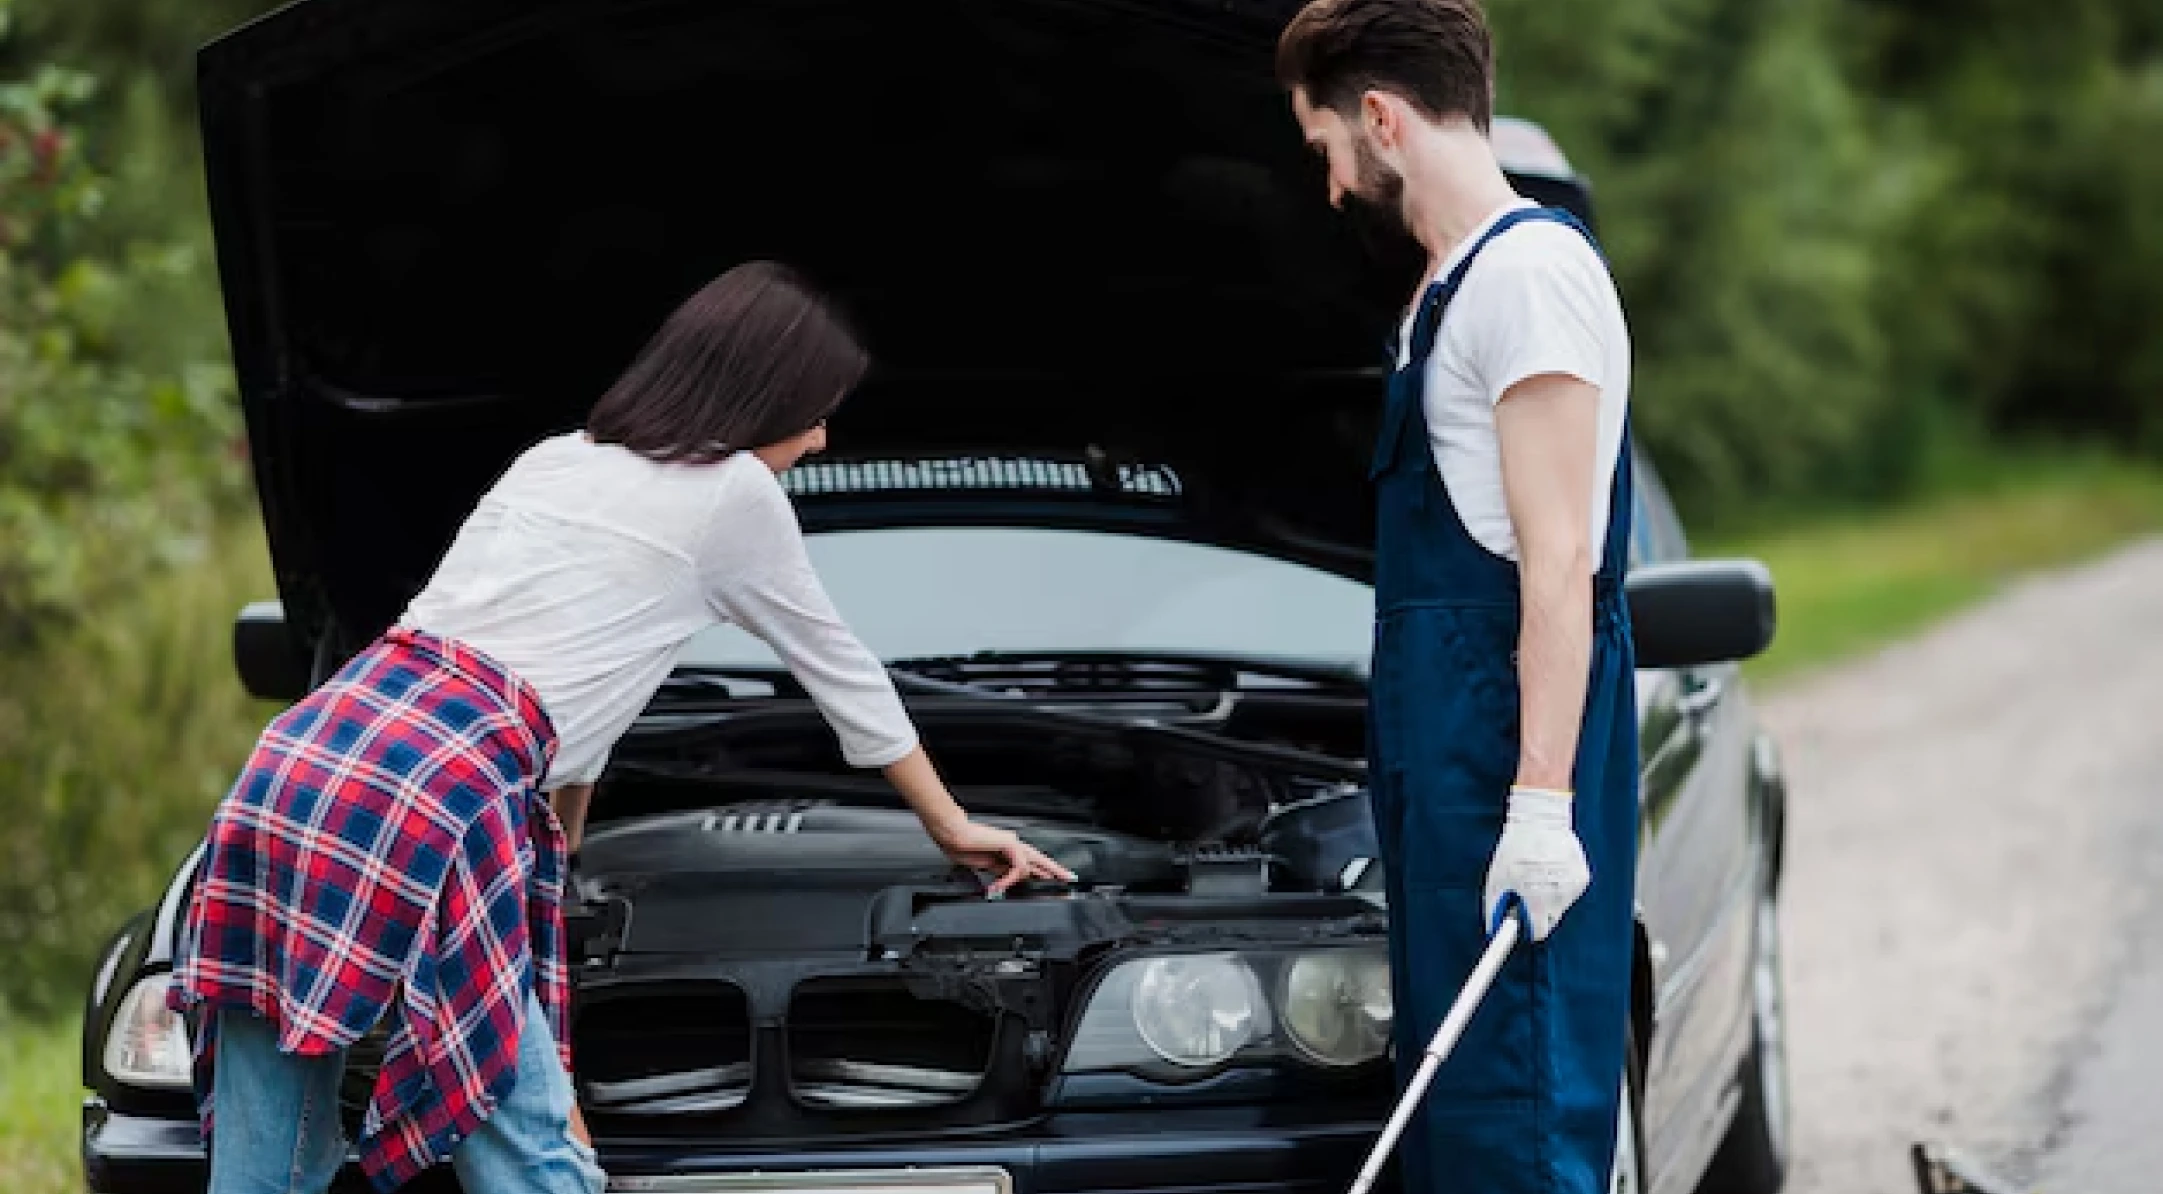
1698	612
272	665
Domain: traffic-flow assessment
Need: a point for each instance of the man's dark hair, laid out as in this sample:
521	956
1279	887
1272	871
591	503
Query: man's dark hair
754	358
1436	54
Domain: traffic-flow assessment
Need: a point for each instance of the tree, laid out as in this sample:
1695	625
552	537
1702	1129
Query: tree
113	459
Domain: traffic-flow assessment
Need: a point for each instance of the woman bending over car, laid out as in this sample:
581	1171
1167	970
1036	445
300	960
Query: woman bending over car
396	845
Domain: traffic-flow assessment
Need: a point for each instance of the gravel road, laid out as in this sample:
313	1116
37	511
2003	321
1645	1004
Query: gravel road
1974	901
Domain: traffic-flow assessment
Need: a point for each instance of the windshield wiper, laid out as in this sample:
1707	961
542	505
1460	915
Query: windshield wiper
688	690
1036	707
1219	710
1308	762
1114	671
683	691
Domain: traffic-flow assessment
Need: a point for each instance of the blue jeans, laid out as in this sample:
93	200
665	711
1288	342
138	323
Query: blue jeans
278	1130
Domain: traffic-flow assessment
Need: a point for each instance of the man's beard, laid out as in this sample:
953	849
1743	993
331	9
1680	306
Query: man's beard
1374	206
1379	187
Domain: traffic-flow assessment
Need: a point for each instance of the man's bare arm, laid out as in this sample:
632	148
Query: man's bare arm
1548	427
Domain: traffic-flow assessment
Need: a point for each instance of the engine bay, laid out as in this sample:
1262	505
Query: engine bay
805	967
1189	759
808	836
766	943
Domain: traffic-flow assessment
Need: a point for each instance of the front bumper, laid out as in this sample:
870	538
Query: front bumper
1238	1150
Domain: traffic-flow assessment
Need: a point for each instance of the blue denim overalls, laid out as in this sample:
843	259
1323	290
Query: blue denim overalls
1528	1100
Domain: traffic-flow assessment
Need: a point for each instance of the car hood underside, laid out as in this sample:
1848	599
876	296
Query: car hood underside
1093	261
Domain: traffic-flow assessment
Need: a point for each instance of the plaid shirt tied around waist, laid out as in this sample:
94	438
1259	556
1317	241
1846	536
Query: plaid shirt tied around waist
387	851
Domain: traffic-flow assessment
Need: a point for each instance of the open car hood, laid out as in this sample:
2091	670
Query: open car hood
1092	259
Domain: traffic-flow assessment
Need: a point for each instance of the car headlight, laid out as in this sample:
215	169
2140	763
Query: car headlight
1336	1006
1181	1017
1196	1010
147	1045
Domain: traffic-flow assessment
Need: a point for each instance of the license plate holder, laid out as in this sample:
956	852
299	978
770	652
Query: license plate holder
954	1179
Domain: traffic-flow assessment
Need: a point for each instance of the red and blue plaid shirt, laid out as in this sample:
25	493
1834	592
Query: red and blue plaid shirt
387	851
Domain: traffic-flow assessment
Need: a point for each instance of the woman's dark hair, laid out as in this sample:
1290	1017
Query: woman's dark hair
755	357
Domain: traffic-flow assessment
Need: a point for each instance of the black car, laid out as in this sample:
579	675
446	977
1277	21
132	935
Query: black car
1102	506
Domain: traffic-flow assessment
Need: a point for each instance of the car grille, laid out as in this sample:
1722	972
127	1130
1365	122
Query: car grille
684	1049
682	1092
680	1051
868	1044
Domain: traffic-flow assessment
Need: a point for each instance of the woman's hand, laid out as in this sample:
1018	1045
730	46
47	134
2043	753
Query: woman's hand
986	848
578	1126
969	844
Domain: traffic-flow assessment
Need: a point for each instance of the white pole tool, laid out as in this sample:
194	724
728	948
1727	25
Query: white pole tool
1438	1049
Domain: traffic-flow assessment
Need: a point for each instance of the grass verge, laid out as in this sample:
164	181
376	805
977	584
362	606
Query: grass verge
115	742
1853	582
40	1092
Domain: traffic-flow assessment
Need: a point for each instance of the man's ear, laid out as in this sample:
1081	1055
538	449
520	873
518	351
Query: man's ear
1378	119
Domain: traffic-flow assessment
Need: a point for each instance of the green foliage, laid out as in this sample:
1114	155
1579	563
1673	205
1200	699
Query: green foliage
152	42
115	457
119	470
2036	255
39	1085
115	742
1735	168
1846	229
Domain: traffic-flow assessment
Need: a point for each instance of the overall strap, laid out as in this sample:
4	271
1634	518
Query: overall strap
1402	412
1434	303
1426	327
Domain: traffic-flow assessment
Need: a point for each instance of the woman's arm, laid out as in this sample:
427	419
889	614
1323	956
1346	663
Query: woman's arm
919	784
570	803
759	576
981	847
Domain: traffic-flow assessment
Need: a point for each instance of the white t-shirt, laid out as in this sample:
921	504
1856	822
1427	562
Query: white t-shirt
587	567
1536	300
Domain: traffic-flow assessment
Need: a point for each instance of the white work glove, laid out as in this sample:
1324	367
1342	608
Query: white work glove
1538	859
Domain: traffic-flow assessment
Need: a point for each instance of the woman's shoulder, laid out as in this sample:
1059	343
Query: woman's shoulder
555	451
569	473
751	511
744	482
574	468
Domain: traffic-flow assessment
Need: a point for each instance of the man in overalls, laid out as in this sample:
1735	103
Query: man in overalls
1503	735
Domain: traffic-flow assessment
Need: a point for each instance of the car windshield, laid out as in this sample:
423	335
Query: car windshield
919	592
